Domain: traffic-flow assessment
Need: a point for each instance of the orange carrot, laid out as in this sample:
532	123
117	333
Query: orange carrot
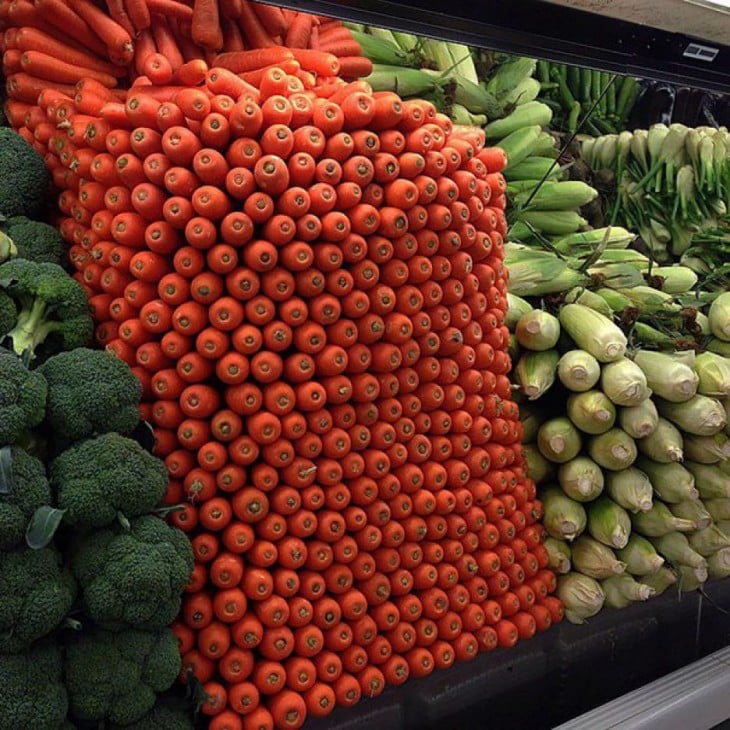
47	67
352	67
60	14
166	43
256	33
232	37
118	41
138	13
230	9
299	31
206	28
242	61
118	13
171	9
271	18
24	87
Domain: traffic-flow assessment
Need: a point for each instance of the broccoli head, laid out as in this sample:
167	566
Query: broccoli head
163	716
90	392
30	490
26	182
135	577
35	596
35	240
23	395
53	310
116	676
32	693
8	313
102	478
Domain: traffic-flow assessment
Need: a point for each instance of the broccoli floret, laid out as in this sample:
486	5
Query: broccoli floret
116	676
35	596
98	479
8	249
53	308
35	240
163	716
25	180
90	392
30	490
133	577
23	395
8	313
32	693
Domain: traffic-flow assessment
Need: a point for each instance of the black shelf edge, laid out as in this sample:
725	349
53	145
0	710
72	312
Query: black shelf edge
543	30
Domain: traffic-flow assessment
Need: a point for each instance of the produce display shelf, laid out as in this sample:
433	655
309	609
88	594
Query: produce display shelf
561	674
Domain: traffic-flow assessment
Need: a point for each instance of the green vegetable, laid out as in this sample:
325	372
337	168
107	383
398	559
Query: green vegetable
609	523
538	330
661	580
713	371
591	411
582	596
692	509
593	332
719	315
708	540
624	383
565	519
691	579
640	556
718	564
23	395
163	716
32	693
718	508
558	440
558	555
535	372
578	370
639	421
671	481
581	479
97	479
115	676
701	415
675	547
668	377
26	182
711	482
613	450
630	488
707	449
35	240
53	310
663	444
35	596
659	521
29	490
538	467
135	577
594	559
622	590
90	392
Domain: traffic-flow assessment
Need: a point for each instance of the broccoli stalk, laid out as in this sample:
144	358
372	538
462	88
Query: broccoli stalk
53	308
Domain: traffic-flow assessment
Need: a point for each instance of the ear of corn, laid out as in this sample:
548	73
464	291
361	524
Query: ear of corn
630	488
558	440
534	169
623	590
593	332
664	444
564	196
520	144
535	372
578	370
639	421
594	559
692	509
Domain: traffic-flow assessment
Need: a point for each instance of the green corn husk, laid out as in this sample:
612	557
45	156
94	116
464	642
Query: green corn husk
406	81
513	349
538	330
676	549
675	279
713	371
533	113
639	421
588	298
585	243
559	555
692	509
708	540
649	300
532	417
581	479
594	559
622	590
564	518
701	415
559	440
710	480
582	597
538	467
672	482
703	322
718	507
667	377
566	195
661	580
536	273
554	223
707	449
630	488
691	579
516	308
511	73
719	316
624	383
535	168
638	261
613	450
591	412
520	144
664	444
616	275
718	346
593	332
648	336
578	370
659	521
640	557
718	564
616	301
609	523
535	372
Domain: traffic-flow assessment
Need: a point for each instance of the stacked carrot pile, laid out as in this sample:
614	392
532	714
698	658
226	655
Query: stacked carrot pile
307	277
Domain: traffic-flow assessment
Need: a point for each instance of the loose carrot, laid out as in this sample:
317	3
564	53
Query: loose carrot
118	13
205	28
118	41
64	17
256	33
48	67
299	31
167	44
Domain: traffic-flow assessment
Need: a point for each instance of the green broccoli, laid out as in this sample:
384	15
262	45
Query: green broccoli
29	491
163	716
90	392
35	596
53	308
35	240
133	578
23	395
8	248
116	676
8	313
26	182
32	693
102	478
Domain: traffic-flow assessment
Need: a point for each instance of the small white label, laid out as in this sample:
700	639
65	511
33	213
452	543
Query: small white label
700	52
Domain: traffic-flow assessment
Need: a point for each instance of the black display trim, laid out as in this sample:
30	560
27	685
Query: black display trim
543	30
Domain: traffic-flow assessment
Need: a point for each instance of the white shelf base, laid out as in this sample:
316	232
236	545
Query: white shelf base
696	697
